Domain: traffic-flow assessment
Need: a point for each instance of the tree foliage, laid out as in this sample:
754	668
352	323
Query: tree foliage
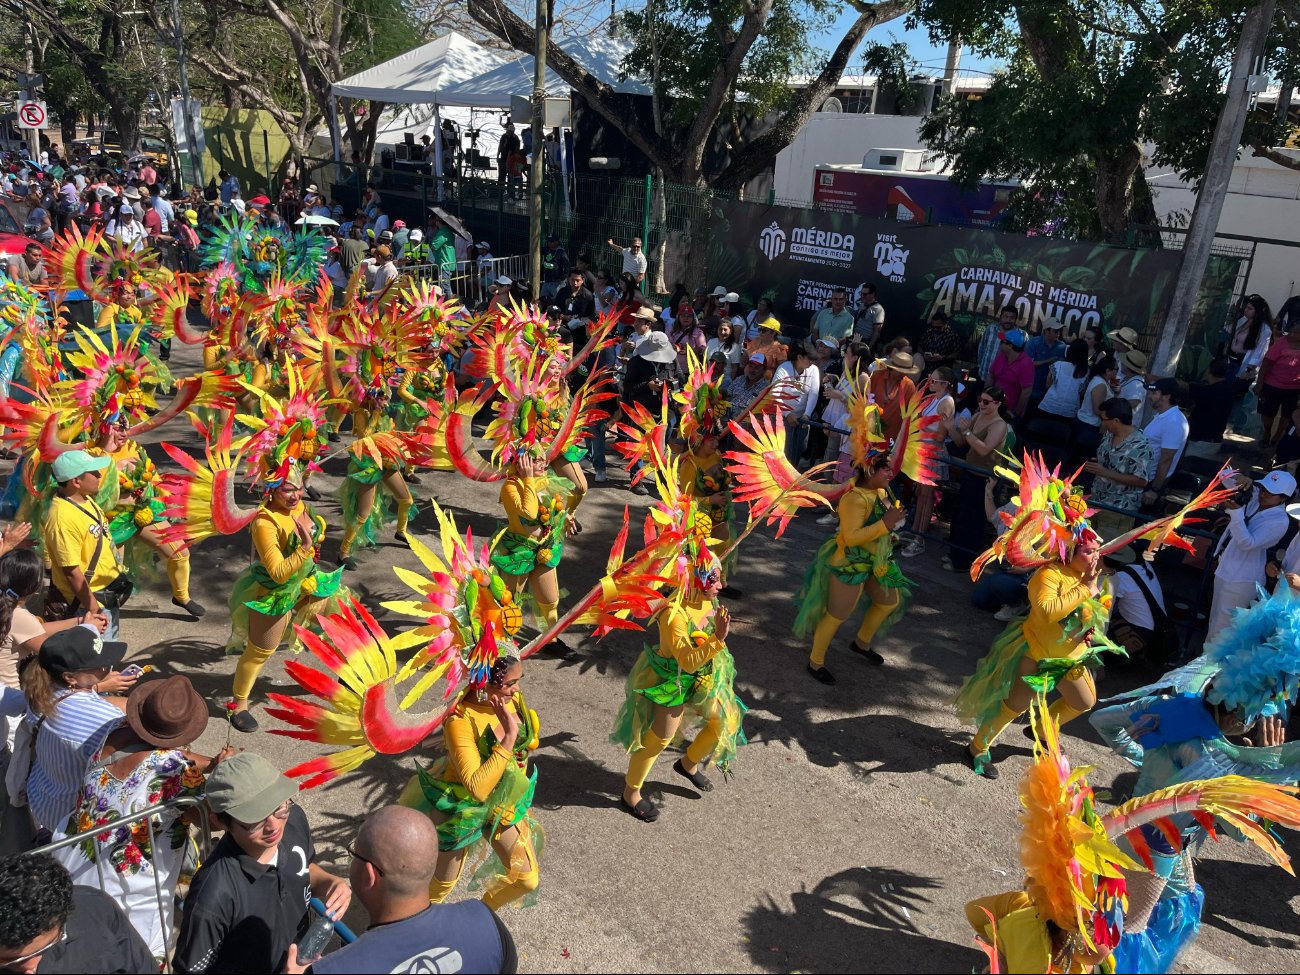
708	60
1091	92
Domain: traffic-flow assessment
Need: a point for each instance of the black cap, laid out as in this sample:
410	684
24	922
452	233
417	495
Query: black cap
79	648
1166	385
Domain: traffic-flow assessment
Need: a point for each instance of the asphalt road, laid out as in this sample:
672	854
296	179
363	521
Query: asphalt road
850	835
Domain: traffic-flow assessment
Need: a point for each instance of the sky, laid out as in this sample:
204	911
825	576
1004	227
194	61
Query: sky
917	41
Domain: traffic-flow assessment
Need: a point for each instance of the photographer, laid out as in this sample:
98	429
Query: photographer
1257	520
652	368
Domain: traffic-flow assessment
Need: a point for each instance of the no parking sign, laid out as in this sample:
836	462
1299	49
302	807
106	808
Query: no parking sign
32	115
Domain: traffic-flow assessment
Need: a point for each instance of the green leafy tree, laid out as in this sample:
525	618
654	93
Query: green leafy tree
96	40
282	56
708	61
1088	87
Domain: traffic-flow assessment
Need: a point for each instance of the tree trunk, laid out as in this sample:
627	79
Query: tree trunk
1114	192
126	120
68	128
659	232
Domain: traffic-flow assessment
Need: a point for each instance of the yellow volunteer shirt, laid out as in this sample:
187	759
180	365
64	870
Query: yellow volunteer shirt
70	540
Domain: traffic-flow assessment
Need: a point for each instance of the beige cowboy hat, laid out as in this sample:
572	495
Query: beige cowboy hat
901	362
1134	361
1125	335
644	313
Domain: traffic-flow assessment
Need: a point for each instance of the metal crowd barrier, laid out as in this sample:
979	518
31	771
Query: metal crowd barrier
470	279
180	802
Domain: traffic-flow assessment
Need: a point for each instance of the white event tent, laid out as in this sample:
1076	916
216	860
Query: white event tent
417	77
602	56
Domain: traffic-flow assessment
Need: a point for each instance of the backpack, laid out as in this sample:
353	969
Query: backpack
1164	643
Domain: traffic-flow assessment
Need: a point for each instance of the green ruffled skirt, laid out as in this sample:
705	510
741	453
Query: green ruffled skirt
470	825
518	555
657	680
365	473
254	591
469	820
981	696
861	566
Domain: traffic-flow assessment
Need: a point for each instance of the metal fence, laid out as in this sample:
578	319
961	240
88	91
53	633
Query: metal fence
470	280
103	850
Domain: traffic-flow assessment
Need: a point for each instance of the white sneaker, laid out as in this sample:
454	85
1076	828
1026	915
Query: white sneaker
828	519
601	477
914	547
1007	613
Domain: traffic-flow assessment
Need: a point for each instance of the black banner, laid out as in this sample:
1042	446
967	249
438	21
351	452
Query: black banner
796	257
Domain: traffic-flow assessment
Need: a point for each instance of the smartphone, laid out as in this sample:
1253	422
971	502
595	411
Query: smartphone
135	670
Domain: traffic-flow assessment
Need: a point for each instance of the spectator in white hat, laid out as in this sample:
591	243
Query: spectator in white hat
126	229
486	264
1256	523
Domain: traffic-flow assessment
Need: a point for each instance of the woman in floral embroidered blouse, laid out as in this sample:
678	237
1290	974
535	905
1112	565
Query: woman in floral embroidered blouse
144	763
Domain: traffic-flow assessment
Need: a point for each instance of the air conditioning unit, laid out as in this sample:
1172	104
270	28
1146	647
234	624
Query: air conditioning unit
895	160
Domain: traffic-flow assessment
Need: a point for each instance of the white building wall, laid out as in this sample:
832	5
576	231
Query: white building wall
835	137
1263	202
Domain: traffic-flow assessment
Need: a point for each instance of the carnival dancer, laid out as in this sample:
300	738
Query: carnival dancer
1064	632
382	348
1080	900
285	581
859	560
701	468
691	668
483	787
480	793
535	424
1179	729
506	350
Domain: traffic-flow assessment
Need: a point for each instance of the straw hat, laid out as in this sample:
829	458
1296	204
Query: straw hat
1134	361
1125	335
901	362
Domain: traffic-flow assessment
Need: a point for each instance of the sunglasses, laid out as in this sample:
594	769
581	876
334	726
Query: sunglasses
11	963
985	401
352	851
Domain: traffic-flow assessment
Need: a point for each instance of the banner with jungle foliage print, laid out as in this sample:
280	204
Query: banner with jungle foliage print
796	257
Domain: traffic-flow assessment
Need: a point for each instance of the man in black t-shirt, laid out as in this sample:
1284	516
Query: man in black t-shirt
506	146
48	925
248	902
577	306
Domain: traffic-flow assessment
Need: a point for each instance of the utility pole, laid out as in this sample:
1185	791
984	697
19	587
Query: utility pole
1213	190
196	164
536	172
950	65
29	66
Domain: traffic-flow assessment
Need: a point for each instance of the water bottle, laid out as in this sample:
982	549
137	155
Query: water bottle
313	942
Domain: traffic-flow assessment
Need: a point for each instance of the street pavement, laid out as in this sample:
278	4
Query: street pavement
850	834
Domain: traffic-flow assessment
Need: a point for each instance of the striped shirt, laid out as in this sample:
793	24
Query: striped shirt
66	742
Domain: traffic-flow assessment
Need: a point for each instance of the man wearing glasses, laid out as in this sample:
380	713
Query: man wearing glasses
49	925
392	866
248	902
83	560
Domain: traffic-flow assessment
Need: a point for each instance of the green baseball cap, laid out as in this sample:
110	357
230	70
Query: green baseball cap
248	788
74	463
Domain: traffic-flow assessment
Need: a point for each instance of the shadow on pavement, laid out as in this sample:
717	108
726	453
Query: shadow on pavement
565	770
1232	895
860	919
